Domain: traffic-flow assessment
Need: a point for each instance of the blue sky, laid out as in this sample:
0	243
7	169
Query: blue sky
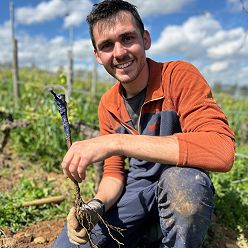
213	35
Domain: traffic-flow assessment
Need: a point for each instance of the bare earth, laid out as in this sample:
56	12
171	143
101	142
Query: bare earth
40	235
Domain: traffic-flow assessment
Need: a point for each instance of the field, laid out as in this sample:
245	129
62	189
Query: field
32	145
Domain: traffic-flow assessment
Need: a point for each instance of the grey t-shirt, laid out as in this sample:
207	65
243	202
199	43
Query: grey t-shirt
133	106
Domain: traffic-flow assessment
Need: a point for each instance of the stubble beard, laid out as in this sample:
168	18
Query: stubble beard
133	75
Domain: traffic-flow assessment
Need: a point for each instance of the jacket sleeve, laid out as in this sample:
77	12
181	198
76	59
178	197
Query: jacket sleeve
113	166
206	140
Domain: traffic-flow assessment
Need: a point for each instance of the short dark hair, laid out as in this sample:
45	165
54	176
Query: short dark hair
108	9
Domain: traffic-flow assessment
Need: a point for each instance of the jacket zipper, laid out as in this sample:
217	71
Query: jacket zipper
127	127
152	100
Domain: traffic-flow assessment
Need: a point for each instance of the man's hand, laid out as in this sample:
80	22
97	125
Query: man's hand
89	216
76	233
83	153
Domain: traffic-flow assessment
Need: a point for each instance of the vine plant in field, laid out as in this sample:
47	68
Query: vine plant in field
83	210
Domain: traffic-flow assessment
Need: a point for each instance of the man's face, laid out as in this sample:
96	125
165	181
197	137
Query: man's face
120	47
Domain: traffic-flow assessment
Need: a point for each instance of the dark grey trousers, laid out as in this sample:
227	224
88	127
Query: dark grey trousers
181	201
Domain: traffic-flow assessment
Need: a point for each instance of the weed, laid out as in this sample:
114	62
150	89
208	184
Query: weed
14	216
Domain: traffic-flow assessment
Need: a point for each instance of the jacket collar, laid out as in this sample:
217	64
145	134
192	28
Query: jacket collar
113	98
154	85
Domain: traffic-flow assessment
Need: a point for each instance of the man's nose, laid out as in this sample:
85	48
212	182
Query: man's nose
119	50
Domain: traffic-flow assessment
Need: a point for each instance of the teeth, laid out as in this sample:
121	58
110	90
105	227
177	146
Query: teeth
124	65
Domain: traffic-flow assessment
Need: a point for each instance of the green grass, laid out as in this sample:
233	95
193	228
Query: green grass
231	198
14	216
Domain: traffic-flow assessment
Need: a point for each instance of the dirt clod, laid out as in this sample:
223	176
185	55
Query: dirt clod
40	240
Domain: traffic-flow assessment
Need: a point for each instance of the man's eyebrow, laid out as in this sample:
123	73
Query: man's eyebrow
128	33
121	35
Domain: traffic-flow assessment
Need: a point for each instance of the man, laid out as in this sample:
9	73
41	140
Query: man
161	116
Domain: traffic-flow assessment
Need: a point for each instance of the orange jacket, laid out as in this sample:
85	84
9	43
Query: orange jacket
178	102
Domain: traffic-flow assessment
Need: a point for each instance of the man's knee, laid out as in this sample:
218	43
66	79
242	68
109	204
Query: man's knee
185	205
186	190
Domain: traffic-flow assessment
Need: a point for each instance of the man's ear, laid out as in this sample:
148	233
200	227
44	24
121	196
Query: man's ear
147	40
98	59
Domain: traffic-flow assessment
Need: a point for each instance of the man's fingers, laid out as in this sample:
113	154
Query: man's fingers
73	168
76	160
70	167
68	175
81	169
77	236
73	242
67	160
72	219
65	165
79	241
81	233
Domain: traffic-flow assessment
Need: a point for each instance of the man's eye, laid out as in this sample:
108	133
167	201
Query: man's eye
127	38
106	46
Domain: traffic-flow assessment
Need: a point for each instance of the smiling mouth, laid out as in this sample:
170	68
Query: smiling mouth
123	66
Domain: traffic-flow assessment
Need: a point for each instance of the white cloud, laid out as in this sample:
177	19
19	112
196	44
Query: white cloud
42	12
201	40
5	30
5	44
81	46
73	11
218	66
41	52
77	12
244	70
73	19
156	7
175	39
48	54
202	35
228	44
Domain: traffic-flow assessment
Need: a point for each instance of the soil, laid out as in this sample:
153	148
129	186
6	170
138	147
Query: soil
39	235
43	234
